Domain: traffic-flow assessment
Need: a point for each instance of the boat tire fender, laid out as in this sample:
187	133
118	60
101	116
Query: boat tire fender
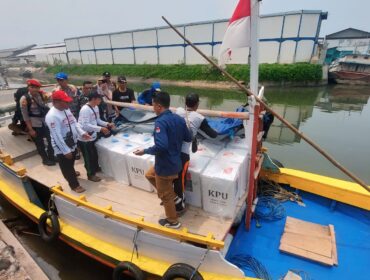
54	229
128	268
182	271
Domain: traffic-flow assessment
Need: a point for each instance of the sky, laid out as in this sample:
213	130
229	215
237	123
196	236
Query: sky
24	22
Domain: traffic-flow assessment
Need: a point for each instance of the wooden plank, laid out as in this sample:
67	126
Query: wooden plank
305	254
298	226
15	146
314	244
334	245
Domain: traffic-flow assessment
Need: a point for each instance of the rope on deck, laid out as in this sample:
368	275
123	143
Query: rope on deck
249	263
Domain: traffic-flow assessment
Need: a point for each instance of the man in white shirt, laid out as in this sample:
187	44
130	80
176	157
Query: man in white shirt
195	122
64	131
89	120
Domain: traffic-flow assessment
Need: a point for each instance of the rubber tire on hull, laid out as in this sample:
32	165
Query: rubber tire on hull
182	271
277	163
54	230
132	270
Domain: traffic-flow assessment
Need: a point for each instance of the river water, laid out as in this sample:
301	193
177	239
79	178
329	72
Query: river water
335	117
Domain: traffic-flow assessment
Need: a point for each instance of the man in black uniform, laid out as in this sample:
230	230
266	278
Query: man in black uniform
34	109
123	94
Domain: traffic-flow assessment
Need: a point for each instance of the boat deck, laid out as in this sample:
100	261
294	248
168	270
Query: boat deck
123	198
352	230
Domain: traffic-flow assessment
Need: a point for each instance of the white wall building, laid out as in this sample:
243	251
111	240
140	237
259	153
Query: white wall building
284	38
350	39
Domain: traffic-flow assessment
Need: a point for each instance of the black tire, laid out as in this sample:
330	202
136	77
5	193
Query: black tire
181	271
277	163
128	270
54	230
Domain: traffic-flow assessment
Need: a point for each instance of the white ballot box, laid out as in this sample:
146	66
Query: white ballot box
111	152
193	187
207	149
137	167
220	188
238	143
240	157
139	138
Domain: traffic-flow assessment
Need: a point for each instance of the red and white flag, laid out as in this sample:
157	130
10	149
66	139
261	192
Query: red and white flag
238	32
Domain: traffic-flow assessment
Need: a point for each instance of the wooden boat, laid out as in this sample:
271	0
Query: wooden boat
351	69
116	224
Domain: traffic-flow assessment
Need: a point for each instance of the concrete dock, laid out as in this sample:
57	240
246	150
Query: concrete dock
15	262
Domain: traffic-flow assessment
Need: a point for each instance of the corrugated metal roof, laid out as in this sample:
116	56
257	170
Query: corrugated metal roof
349	33
14	51
55	48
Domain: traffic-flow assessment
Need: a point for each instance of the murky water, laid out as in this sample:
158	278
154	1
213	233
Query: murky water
336	117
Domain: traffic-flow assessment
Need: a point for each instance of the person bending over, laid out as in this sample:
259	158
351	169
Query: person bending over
195	122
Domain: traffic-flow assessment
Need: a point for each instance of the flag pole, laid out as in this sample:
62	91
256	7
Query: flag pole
254	53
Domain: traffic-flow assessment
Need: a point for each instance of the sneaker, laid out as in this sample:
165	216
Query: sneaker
166	223
94	178
79	189
48	162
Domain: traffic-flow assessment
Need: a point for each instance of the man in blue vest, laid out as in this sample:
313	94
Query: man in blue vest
169	133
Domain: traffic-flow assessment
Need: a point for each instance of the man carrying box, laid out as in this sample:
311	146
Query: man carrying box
169	133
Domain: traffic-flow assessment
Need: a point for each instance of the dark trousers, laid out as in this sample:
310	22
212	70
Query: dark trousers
180	181
67	166
41	134
90	155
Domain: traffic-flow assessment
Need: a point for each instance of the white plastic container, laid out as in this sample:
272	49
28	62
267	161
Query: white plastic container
137	167
111	152
220	188
238	143
139	138
207	149
193	188
240	157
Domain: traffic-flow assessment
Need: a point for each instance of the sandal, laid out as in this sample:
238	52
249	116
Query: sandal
79	189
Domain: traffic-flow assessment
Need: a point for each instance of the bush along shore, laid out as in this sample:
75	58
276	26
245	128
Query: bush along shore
279	73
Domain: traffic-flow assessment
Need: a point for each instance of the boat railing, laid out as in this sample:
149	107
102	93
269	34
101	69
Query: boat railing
108	212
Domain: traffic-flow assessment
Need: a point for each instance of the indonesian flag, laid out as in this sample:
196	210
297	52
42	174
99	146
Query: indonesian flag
237	34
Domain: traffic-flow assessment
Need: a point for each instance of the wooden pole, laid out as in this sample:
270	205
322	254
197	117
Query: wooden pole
280	118
208	113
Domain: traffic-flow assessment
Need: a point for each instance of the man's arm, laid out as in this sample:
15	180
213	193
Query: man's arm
160	142
132	96
204	126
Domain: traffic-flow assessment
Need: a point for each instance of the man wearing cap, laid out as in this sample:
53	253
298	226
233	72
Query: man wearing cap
122	94
106	111
90	122
34	110
111	85
65	131
71	90
145	98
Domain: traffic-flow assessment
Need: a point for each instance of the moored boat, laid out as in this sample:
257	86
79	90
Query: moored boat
351	69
